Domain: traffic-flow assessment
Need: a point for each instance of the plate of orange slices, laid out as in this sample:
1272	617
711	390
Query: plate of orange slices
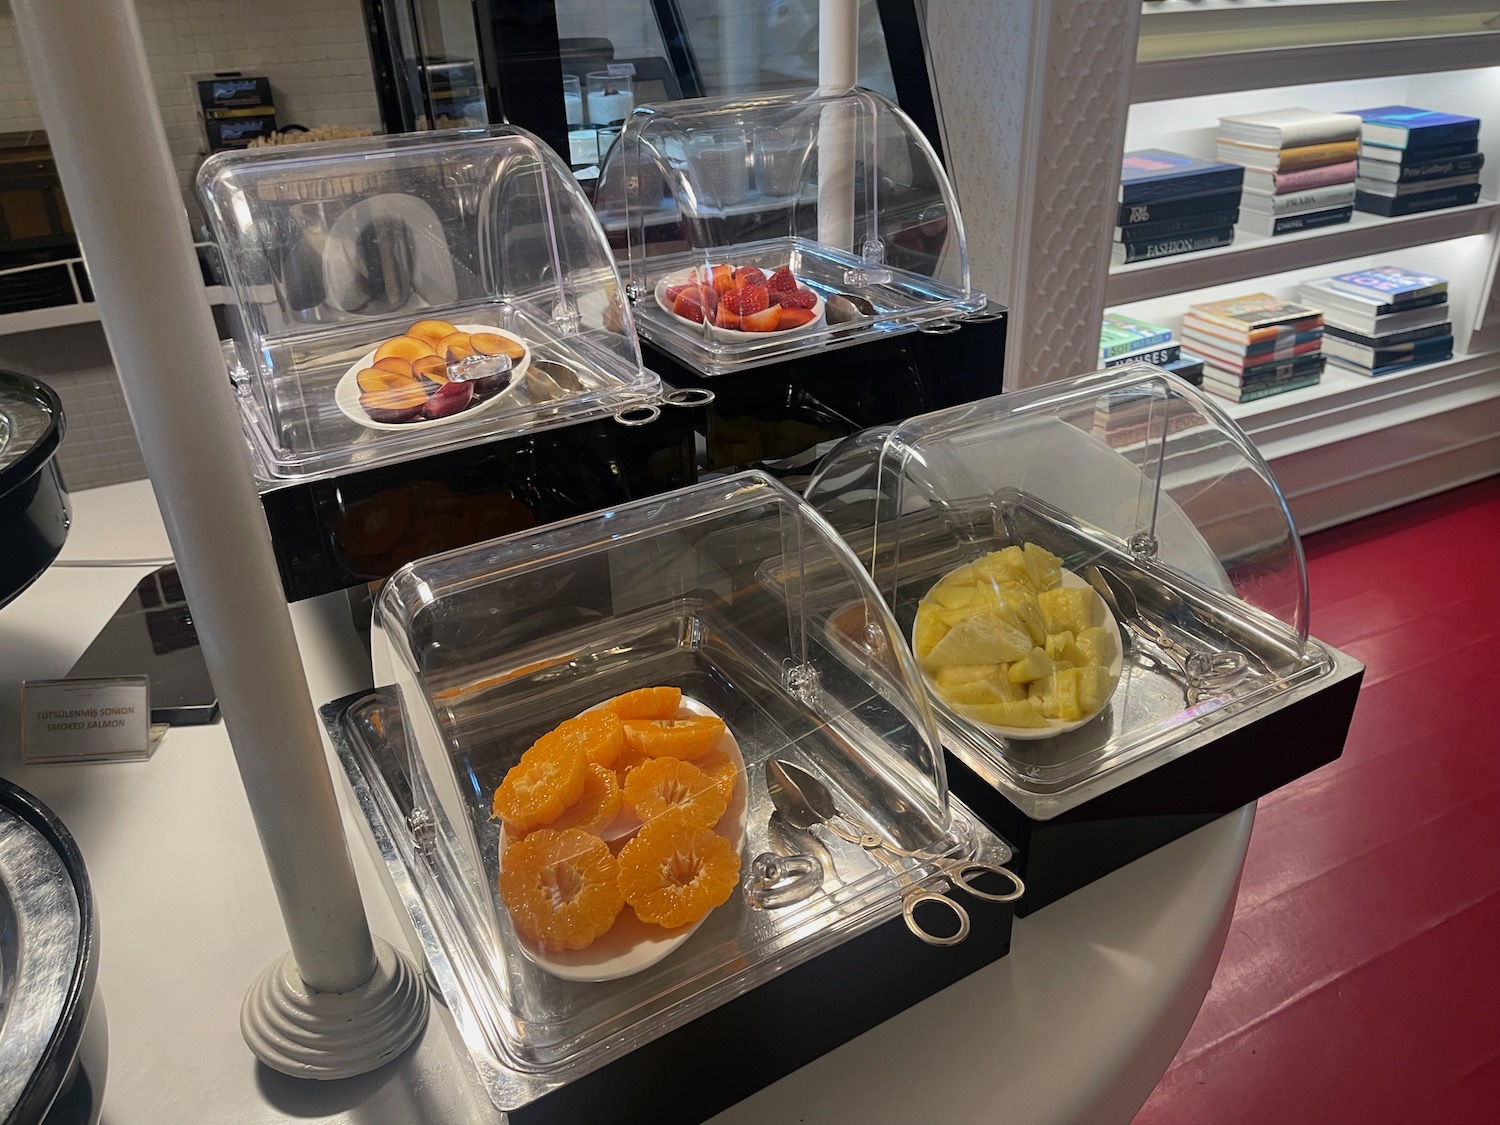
621	832
404	383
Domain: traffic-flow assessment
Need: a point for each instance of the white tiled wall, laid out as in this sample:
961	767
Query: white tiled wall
314	51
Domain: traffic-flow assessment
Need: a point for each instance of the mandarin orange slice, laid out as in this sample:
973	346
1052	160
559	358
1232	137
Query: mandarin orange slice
629	758
646	703
721	769
597	808
668	785
561	887
600	734
674	738
673	872
549	777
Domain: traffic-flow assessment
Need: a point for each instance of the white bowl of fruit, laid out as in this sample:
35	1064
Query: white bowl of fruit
738	303
1016	644
431	375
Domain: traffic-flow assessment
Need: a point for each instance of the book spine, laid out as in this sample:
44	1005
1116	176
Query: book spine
1282	369
1118	348
1312	220
1314	199
1399	156
1157	356
1187	224
1354	306
1384	356
1304	134
1391	206
1133	214
1426	136
1252	394
1181	244
1171	187
1304	178
1385	187
1410	336
1442	169
1308	156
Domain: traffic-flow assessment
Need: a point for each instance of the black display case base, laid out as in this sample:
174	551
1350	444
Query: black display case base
1059	855
770	1031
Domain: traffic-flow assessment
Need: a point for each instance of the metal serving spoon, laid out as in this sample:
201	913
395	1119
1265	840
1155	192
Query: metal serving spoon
804	802
1203	670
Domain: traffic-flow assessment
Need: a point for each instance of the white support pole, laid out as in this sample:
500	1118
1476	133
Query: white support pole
88	65
838	70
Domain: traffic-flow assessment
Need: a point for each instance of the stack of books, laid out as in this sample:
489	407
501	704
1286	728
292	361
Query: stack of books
1174	204
1382	320
1414	160
1124	340
1256	345
1299	165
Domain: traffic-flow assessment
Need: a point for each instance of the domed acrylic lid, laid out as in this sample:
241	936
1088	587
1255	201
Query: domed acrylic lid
840	191
1145	490
400	295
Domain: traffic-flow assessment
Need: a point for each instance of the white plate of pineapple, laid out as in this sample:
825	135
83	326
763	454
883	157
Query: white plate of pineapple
1015	643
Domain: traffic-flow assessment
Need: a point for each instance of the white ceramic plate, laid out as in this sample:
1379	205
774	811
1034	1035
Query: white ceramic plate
346	394
1054	727
731	335
631	945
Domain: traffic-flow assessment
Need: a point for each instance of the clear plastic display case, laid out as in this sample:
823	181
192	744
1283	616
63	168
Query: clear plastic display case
1179	547
499	664
840	191
403	294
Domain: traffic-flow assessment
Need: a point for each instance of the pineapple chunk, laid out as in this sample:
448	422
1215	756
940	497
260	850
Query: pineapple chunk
1097	644
1015	714
956	674
927	630
981	638
1068	709
1058	644
953	597
976	692
1070	609
963	576
1044	567
1042	696
1027	613
1094	686
1034	666
1007	566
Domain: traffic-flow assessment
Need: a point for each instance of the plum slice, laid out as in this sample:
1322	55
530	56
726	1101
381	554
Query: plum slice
448	400
394	404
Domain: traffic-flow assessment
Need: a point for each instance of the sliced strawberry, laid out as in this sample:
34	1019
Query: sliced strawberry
795	299
672	292
727	319
695	303
766	320
781	281
749	275
723	278
795	318
746	299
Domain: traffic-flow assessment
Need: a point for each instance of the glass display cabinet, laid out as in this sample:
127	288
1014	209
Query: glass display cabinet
445	295
1108	603
760	237
655	788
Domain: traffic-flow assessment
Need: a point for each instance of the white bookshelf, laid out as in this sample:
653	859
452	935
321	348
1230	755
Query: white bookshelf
1352	444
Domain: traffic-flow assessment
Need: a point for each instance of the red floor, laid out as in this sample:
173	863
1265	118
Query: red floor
1360	984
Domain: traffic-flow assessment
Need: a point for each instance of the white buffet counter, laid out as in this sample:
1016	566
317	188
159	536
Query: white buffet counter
1075	1026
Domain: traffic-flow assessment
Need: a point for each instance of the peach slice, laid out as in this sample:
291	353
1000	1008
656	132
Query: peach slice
380	379
491	343
433	368
404	347
395	365
395	404
794	318
430	331
455	346
723	278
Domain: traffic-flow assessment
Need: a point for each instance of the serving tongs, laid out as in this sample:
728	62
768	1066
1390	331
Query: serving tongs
804	802
1204	671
